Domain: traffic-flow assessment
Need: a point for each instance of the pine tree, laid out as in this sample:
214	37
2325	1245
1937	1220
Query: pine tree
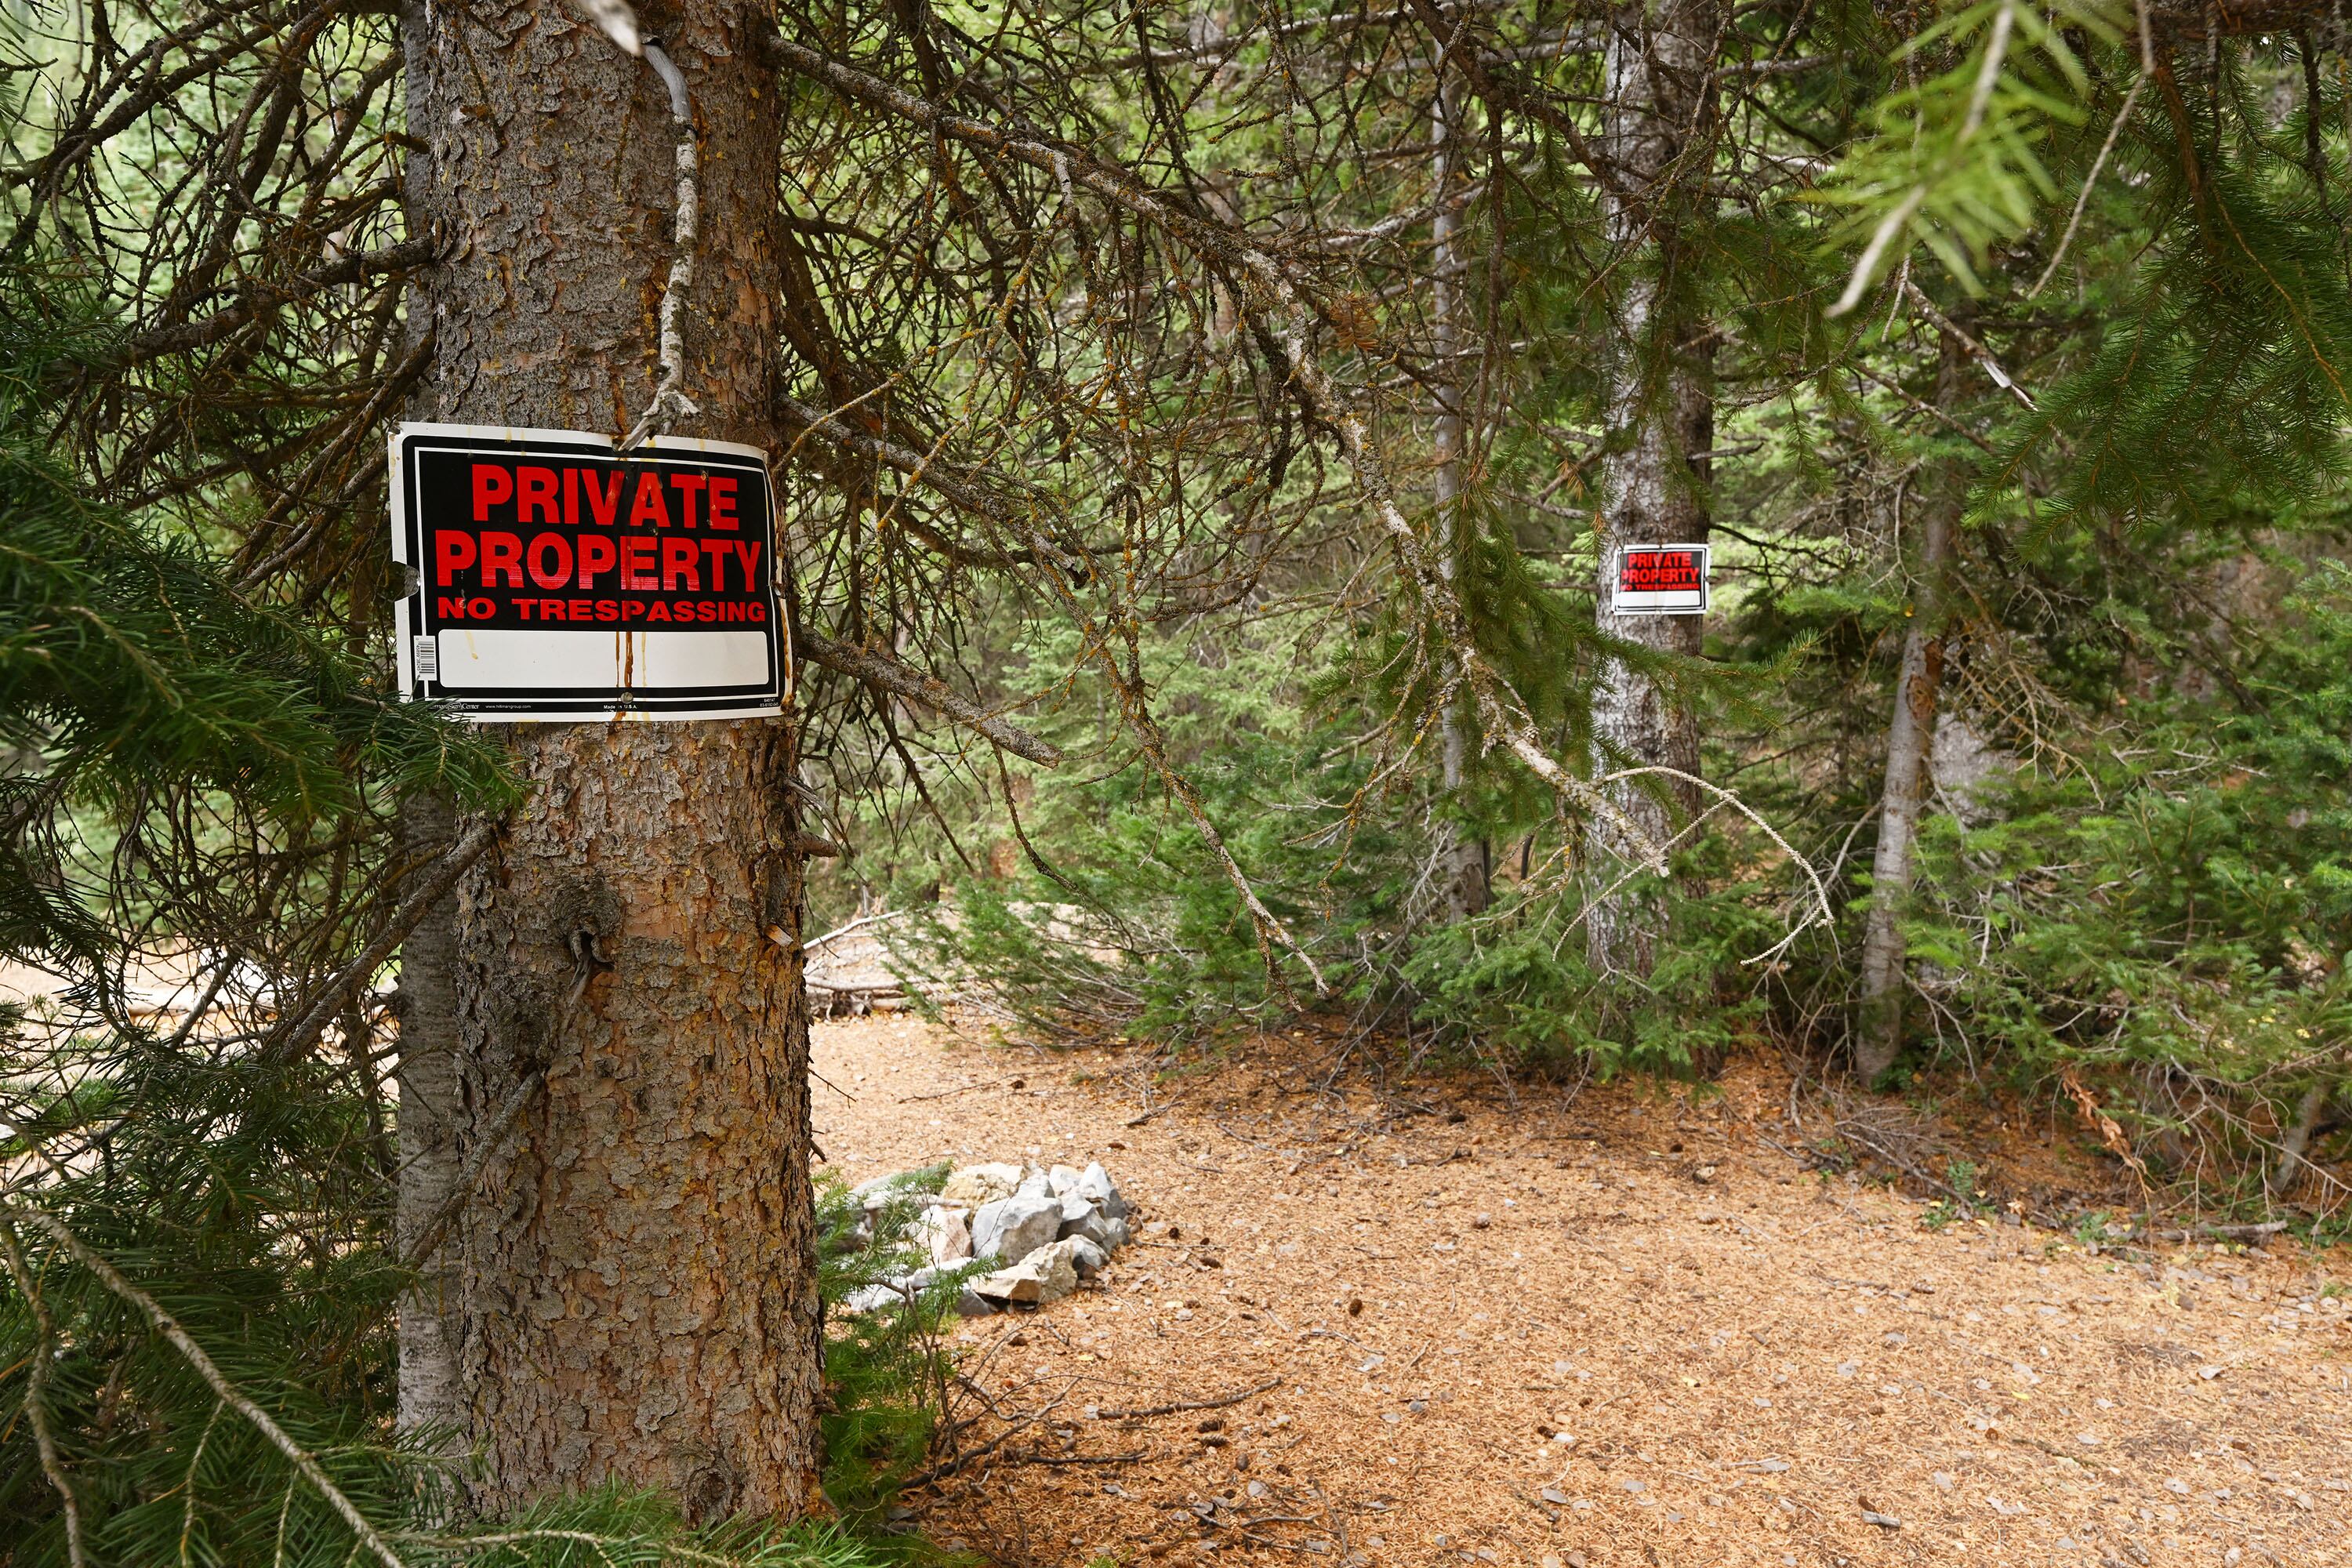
1659	429
634	1299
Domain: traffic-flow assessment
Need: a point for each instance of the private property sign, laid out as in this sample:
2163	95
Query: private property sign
1660	580
556	578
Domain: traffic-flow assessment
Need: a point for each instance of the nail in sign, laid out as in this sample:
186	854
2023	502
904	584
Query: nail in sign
1660	580
556	579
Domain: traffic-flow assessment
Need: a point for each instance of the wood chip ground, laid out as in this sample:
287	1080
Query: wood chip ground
1665	1342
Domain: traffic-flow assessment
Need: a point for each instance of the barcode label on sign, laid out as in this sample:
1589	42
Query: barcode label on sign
424	655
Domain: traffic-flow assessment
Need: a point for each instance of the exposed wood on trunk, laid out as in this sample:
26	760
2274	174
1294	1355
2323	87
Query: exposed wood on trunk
635	1297
1910	733
1660	426
427	1088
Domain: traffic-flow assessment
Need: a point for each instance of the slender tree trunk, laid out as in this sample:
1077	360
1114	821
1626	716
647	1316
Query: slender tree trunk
1910	736
427	1091
635	1295
1466	888
1660	424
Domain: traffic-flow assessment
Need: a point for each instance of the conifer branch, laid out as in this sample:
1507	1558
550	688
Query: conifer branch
492	1137
879	669
1267	282
405	919
2091	180
228	1392
37	1392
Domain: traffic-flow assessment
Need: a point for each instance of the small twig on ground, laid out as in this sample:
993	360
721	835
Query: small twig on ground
1268	1386
2261	1232
944	1093
1029	1418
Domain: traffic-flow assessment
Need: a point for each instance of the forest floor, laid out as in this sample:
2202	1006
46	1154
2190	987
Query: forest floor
1618	1325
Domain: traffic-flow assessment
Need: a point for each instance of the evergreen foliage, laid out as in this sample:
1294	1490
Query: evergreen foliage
186	757
141	693
2126	237
1070	421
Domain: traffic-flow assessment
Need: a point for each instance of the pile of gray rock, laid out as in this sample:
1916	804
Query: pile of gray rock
1044	1230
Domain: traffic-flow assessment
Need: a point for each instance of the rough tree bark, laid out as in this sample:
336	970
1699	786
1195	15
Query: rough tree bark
636	1296
1464	859
1659	427
1910	737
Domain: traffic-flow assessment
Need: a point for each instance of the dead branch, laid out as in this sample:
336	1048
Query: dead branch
881	670
1218	1404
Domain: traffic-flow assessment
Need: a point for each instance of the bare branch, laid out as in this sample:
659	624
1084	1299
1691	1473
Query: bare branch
880	669
412	909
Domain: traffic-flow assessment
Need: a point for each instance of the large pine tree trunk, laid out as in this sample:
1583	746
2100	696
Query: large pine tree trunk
635	1278
1910	738
1660	422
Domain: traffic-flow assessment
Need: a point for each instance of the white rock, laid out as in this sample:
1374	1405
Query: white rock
1046	1275
1015	1228
1062	1179
1075	1252
1036	1183
972	1185
1108	1234
1094	1185
944	1234
1056	1267
873	1299
903	1290
1019	1286
883	1183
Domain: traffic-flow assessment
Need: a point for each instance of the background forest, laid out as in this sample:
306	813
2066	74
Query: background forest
2015	357
1203	438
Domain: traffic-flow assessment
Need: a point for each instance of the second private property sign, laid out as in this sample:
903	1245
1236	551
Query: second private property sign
1660	580
556	578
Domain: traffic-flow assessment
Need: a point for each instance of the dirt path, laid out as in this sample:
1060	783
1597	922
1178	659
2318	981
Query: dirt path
1744	1362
